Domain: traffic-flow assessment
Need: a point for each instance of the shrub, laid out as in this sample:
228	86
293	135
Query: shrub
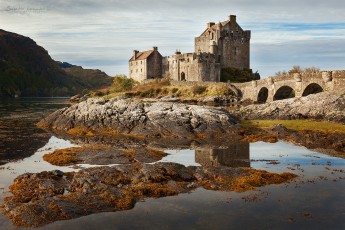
295	69
238	75
219	90
122	83
198	89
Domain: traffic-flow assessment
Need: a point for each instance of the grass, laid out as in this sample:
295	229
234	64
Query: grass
297	125
163	88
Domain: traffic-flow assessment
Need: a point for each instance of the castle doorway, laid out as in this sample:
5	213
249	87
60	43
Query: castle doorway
183	76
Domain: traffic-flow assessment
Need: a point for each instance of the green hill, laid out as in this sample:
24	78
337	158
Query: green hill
27	70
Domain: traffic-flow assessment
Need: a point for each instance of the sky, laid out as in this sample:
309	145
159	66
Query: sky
102	34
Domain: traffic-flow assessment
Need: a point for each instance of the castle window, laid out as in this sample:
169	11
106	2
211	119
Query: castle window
141	70
236	50
141	62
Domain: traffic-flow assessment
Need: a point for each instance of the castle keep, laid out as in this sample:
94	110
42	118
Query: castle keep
221	45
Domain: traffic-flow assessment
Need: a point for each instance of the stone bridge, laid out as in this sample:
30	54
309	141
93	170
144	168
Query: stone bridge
291	85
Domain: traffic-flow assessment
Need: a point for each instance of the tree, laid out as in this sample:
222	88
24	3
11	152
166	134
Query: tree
122	83
238	75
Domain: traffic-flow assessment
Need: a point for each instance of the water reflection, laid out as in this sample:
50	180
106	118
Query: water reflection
19	137
236	155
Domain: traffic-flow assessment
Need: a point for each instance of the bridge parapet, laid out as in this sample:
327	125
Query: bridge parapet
292	85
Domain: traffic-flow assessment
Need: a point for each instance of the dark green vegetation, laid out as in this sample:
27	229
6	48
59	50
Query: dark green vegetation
238	75
122	83
26	69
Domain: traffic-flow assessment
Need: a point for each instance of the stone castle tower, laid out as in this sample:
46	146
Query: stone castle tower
221	45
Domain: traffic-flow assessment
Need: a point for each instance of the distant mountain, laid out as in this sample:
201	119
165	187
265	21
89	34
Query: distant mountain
91	78
26	69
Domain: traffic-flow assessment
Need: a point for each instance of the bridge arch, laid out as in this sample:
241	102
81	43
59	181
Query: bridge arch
284	92
312	88
262	95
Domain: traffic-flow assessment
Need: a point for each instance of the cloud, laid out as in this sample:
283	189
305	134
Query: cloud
102	34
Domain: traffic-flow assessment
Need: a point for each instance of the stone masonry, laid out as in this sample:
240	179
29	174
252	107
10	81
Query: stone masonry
221	45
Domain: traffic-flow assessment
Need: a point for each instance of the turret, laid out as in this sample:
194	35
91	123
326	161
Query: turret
219	30
213	47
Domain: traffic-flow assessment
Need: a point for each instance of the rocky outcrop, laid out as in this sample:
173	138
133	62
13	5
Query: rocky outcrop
102	155
325	106
136	118
42	198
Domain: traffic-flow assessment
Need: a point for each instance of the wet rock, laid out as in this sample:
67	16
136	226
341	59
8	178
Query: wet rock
58	173
136	118
40	200
102	155
324	106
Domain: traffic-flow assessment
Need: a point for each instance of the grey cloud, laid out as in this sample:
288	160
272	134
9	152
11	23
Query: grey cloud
102	34
271	58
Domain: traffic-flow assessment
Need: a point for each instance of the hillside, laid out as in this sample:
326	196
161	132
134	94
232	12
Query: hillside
26	69
91	78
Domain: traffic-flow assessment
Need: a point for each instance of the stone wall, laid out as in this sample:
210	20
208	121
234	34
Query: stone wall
138	70
154	65
191	67
228	42
298	83
220	46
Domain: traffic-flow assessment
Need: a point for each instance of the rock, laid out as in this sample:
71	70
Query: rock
326	106
101	155
279	129
136	118
41	200
57	173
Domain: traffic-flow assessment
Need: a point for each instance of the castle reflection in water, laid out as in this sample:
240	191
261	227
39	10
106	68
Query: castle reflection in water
236	155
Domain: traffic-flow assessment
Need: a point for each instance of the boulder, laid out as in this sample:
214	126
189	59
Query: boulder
136	118
325	106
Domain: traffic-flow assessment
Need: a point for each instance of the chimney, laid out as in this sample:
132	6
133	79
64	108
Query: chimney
155	48
135	54
210	24
178	51
232	18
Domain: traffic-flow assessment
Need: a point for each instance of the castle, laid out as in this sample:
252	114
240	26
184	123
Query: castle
221	45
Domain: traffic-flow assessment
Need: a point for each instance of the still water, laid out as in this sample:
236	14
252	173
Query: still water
315	200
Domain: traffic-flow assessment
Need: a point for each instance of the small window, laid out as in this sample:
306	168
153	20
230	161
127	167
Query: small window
136	71
141	70
236	50
141	62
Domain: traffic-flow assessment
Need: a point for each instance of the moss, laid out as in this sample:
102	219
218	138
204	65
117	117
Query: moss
297	125
63	157
157	153
80	131
259	178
